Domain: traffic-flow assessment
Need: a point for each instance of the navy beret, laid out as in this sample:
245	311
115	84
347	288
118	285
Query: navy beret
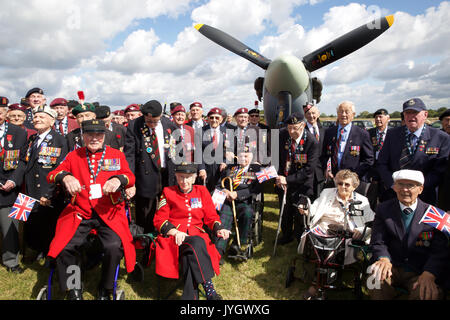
34	90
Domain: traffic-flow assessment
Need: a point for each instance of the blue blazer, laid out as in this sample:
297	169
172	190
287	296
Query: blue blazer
389	239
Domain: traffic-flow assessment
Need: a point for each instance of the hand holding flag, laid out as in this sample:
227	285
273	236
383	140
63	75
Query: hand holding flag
266	174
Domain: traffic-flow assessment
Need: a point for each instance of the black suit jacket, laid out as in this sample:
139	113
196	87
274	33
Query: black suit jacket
249	186
359	162
389	239
120	132
12	168
149	181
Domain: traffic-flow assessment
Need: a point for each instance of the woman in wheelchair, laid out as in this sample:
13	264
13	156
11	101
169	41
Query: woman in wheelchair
182	212
336	211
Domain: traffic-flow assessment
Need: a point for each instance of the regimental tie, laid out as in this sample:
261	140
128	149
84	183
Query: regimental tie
215	142
315	133
407	211
407	151
155	147
237	179
380	140
336	149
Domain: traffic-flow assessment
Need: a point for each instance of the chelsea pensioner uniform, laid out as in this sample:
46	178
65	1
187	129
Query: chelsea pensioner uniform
107	211
187	212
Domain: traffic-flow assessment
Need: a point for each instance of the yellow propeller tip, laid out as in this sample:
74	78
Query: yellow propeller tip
198	26
390	20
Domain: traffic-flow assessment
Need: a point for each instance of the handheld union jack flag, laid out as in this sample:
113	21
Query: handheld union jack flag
218	199
22	207
266	174
318	231
437	218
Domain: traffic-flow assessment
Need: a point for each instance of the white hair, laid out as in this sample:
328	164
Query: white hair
351	104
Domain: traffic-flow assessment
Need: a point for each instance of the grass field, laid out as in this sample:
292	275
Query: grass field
260	278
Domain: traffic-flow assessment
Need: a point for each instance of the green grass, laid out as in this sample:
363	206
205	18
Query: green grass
261	278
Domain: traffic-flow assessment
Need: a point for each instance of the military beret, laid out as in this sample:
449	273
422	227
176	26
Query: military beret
195	104
85	107
45	109
153	108
295	118
4	102
254	111
58	102
119	113
178	108
382	111
17	106
72	104
102	112
414	104
186	168
307	107
445	114
215	111
93	125
240	110
132	107
34	90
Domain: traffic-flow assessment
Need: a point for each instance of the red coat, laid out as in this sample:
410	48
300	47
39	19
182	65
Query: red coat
109	209
188	216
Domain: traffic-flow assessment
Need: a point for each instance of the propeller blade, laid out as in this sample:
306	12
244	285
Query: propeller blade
347	43
230	43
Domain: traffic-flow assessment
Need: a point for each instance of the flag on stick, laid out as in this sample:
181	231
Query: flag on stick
22	207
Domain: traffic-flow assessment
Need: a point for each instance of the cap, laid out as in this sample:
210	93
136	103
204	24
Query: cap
294	118
85	107
178	108
102	112
34	90
445	114
307	107
4	101
186	168
93	125
240	110
382	112
406	174
46	109
414	104
215	111
195	104
153	108
17	106
58	102
132	107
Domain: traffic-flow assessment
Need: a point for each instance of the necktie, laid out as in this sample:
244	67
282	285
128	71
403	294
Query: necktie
215	142
315	133
380	143
404	156
336	149
237	179
155	148
407	211
61	129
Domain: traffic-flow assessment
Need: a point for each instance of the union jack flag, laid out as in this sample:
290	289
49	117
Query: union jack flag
22	207
437	218
266	174
218	199
318	231
329	165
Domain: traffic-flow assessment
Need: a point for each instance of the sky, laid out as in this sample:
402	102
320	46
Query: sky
124	52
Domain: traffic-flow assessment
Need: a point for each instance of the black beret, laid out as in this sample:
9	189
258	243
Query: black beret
102	112
93	126
72	104
186	168
153	108
382	111
254	111
295	118
4	101
34	90
445	114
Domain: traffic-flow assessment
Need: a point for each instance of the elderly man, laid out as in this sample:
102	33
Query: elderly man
63	124
133	111
17	115
46	149
444	187
186	132
93	176
414	146
119	131
405	252
35	97
445	120
13	141
148	147
347	146
299	153
196	113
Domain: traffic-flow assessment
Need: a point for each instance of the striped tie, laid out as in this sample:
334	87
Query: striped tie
404	156
315	133
337	147
155	148
237	179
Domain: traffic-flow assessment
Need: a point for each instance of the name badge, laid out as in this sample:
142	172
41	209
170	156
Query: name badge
95	191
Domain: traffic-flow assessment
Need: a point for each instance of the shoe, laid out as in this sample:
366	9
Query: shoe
104	294
74	294
16	269
215	296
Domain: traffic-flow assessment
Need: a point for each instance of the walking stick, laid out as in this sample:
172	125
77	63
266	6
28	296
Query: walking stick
283	203
234	209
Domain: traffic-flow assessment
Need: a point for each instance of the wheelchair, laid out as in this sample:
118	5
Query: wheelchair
322	258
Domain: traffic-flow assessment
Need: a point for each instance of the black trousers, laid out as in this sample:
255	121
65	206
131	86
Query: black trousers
196	266
145	212
39	229
68	260
292	225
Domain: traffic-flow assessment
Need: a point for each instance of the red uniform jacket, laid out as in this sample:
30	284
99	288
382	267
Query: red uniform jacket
109	208
188	213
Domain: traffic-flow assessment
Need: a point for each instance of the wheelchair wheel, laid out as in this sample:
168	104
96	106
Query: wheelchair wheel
138	273
120	295
290	276
257	225
42	295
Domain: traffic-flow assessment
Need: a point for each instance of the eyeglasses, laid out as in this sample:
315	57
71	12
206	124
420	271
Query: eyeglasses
214	118
407	186
346	184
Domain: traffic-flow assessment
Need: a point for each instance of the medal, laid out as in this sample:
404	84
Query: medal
149	149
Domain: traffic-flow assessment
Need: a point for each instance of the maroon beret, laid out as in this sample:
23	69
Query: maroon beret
119	113
178	108
307	106
215	111
17	106
195	104
132	107
58	102
240	110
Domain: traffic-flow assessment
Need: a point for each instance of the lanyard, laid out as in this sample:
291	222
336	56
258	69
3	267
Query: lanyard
91	166
412	149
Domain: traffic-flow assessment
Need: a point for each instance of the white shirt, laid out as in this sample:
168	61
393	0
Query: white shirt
42	136
311	126
197	124
160	136
412	207
2	132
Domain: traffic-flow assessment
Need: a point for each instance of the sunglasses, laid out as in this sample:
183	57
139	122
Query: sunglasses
214	118
346	184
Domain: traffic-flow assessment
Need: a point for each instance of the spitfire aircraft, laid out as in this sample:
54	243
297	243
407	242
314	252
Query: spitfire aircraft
287	85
